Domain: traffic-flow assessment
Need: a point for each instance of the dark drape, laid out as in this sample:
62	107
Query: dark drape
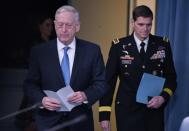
173	22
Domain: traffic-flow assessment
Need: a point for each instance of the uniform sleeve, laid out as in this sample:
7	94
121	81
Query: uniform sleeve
111	79
170	74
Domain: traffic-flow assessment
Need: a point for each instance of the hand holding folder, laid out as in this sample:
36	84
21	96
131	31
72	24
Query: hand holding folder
150	85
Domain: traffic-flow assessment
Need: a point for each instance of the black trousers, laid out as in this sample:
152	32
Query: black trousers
65	121
139	118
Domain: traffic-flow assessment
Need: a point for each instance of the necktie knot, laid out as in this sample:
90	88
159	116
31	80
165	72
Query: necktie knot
66	49
142	44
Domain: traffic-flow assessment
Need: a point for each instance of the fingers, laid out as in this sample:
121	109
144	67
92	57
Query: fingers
77	97
155	102
50	103
105	125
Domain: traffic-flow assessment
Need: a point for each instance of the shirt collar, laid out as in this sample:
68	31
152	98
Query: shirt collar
61	45
139	41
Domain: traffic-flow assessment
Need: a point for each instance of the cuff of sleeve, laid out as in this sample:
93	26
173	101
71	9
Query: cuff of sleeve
167	93
104	108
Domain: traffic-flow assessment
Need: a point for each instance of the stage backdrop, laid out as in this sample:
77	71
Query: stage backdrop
172	21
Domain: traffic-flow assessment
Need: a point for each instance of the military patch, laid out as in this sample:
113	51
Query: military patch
115	41
127	57
126	62
158	55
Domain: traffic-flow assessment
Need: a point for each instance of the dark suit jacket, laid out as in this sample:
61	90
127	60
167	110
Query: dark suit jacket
45	74
125	63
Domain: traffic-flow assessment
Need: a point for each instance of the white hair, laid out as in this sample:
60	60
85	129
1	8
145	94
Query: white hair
68	8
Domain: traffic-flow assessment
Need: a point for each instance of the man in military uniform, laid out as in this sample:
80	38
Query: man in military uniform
128	60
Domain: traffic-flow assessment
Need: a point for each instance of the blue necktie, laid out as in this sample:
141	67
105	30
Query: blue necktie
65	66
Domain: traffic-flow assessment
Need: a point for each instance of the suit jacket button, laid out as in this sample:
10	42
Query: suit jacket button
143	66
126	73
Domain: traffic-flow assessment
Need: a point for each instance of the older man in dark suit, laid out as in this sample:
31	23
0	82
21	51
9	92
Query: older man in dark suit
84	73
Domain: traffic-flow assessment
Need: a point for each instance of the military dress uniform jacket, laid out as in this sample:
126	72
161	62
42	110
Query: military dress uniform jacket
125	63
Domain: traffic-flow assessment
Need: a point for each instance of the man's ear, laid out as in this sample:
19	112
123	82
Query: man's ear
78	27
132	23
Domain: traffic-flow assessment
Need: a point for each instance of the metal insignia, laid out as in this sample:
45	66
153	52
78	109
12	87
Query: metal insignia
115	41
129	44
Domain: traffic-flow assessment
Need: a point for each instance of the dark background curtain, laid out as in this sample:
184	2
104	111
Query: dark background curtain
17	19
173	22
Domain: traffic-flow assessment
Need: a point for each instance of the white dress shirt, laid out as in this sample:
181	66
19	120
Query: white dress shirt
71	52
138	42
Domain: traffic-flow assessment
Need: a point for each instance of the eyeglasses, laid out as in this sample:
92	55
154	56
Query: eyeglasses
65	25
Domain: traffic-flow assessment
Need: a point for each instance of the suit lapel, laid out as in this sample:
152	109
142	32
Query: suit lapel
77	62
56	62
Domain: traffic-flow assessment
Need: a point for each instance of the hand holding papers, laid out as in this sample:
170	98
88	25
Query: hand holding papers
149	86
62	96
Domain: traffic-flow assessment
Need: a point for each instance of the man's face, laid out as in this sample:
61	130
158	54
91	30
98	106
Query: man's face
142	27
66	27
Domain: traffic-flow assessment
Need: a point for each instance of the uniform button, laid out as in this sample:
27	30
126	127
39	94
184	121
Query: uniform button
161	60
159	65
126	73
154	73
125	66
143	66
117	102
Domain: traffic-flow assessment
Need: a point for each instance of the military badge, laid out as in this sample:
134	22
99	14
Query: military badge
126	52
126	62
160	54
127	57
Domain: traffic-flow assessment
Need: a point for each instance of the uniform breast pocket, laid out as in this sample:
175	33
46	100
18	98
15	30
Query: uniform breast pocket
156	67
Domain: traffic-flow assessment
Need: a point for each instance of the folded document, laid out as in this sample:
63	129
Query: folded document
150	85
62	96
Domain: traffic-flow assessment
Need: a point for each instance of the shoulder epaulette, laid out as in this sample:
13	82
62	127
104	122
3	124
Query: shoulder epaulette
165	39
115	41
